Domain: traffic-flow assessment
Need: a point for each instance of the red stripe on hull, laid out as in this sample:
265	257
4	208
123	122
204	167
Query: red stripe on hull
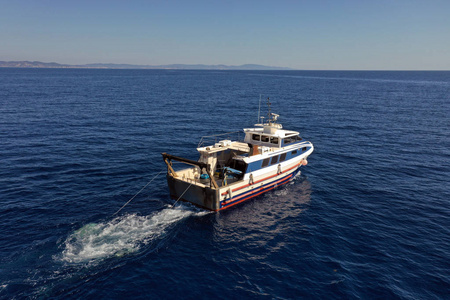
257	194
267	185
246	185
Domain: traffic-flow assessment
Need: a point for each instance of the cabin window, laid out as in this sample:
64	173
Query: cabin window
256	137
264	138
292	139
304	149
283	157
294	152
274	140
265	162
274	160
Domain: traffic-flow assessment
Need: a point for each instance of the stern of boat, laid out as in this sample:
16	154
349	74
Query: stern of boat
201	196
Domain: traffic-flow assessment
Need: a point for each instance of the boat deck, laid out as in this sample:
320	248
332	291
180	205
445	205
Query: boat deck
207	183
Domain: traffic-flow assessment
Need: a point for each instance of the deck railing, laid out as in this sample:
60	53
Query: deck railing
212	139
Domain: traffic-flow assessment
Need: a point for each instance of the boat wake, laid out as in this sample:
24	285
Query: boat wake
120	236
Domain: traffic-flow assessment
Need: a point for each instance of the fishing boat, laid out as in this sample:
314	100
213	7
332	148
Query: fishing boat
229	171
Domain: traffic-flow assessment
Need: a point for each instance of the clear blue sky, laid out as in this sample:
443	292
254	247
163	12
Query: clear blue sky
315	34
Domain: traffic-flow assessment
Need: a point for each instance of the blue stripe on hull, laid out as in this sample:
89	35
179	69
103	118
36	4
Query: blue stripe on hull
258	191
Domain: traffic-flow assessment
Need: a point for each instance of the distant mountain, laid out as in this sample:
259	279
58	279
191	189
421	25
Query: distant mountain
30	64
38	64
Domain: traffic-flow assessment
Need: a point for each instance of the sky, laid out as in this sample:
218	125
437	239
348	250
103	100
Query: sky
311	35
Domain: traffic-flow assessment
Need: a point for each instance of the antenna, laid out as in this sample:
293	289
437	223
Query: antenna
269	104
259	108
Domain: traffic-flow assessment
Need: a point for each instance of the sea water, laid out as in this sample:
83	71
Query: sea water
367	218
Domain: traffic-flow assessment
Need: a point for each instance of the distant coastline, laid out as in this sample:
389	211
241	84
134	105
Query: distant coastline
53	65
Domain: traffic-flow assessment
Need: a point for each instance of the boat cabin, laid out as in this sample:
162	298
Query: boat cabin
279	138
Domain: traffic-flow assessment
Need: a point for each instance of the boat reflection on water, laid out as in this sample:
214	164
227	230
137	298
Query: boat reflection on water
262	218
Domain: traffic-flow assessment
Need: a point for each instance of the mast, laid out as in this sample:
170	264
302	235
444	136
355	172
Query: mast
259	108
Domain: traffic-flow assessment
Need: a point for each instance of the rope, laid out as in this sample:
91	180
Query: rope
139	192
182	195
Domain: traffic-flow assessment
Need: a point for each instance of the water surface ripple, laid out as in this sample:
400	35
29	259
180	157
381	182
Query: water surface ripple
367	218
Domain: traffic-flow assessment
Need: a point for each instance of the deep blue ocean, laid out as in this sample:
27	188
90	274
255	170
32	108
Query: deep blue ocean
368	218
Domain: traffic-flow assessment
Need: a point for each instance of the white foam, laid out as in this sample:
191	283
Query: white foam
296	176
124	234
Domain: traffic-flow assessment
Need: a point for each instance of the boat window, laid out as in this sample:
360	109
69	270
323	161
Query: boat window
264	138
265	162
292	139
256	137
274	140
294	152
283	157
274	160
304	149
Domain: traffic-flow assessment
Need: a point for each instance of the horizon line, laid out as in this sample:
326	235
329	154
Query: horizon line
128	66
